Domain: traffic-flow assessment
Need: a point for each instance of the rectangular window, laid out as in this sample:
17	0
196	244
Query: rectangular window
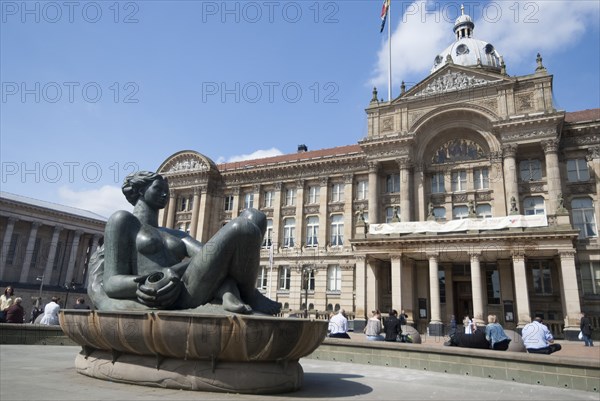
228	203
313	195
284	277
290	197
590	278
484	211
35	254
577	170
442	285
437	183
268	198
460	212
481	178
533	205
248	201
392	183
584	217
439	213
310	281
334	278
312	231
459	181
261	281
542	276
182	204
268	240
492	280
289	229
12	249
389	214
362	190
337	192
530	170
337	230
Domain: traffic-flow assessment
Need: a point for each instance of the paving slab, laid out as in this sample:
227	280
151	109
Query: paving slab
46	372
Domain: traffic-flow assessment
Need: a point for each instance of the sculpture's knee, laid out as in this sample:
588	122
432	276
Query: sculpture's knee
257	217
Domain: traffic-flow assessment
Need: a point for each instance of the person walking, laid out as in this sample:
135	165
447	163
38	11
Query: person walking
585	325
538	339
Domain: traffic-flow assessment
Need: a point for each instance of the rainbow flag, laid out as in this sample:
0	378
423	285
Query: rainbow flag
384	13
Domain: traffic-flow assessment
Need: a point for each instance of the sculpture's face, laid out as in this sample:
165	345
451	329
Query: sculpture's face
157	194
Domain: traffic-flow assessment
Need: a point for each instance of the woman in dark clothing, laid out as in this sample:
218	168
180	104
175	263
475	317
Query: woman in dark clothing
15	313
392	326
585	326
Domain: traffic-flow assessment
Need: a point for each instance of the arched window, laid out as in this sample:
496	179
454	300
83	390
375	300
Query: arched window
584	217
289	228
312	231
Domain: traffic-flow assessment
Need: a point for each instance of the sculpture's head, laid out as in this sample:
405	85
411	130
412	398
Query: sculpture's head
146	185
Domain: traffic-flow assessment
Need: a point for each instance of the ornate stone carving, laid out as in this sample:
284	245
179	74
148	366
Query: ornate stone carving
348	178
491	104
288	210
516	136
336	207
483	196
581	188
525	101
460	198
550	146
438	199
509	150
593	153
457	150
186	165
387	124
451	81
311	209
531	187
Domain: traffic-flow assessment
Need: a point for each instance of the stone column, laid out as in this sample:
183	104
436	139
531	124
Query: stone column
171	209
373	193
300	213
257	196
195	211
405	189
371	285
6	244
449	291
277	217
72	257
419	203
496	179
477	290
552	174
570	294
435	324
521	291
408	290
95	242
348	215
204	215
323	200
52	254
511	184
396	281
236	203
360	299
29	251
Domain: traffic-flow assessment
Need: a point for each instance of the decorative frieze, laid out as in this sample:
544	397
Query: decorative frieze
387	124
580	188
288	210
483	196
336	207
532	187
451	81
313	209
521	135
524	102
460	198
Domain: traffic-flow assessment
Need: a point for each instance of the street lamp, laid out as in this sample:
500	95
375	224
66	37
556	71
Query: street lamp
307	273
41	280
69	287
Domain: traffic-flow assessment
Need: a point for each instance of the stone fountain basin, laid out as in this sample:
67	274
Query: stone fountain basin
193	336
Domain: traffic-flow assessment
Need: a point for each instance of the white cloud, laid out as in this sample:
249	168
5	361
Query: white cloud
103	201
259	154
518	30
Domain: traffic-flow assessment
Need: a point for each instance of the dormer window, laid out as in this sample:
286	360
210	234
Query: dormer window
462	49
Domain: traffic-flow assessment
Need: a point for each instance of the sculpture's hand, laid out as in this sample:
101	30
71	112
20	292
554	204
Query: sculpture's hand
159	289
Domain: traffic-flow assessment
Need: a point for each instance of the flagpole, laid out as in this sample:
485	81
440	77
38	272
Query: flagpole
390	51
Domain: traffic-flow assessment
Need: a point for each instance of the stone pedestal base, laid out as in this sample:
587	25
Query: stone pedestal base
235	377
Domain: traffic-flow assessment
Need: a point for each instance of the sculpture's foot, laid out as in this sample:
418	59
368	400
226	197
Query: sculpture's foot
231	303
262	304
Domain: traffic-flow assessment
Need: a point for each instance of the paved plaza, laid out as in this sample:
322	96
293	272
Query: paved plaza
44	372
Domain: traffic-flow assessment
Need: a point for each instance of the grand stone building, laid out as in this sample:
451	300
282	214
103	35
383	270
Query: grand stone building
470	194
46	247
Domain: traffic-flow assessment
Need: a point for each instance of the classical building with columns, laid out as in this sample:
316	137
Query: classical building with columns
470	194
46	245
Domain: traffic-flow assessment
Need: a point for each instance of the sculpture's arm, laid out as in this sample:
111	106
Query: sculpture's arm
120	255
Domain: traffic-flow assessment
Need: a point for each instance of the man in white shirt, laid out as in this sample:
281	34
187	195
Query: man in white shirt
338	325
538	339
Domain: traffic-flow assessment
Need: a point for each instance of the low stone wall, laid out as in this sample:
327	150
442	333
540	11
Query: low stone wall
546	370
33	334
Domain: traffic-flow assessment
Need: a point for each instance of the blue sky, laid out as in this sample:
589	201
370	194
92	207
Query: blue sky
93	90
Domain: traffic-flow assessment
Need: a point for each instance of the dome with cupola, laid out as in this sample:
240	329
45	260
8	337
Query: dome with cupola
466	50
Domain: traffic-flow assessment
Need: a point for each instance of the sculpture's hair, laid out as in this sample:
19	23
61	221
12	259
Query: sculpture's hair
135	182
